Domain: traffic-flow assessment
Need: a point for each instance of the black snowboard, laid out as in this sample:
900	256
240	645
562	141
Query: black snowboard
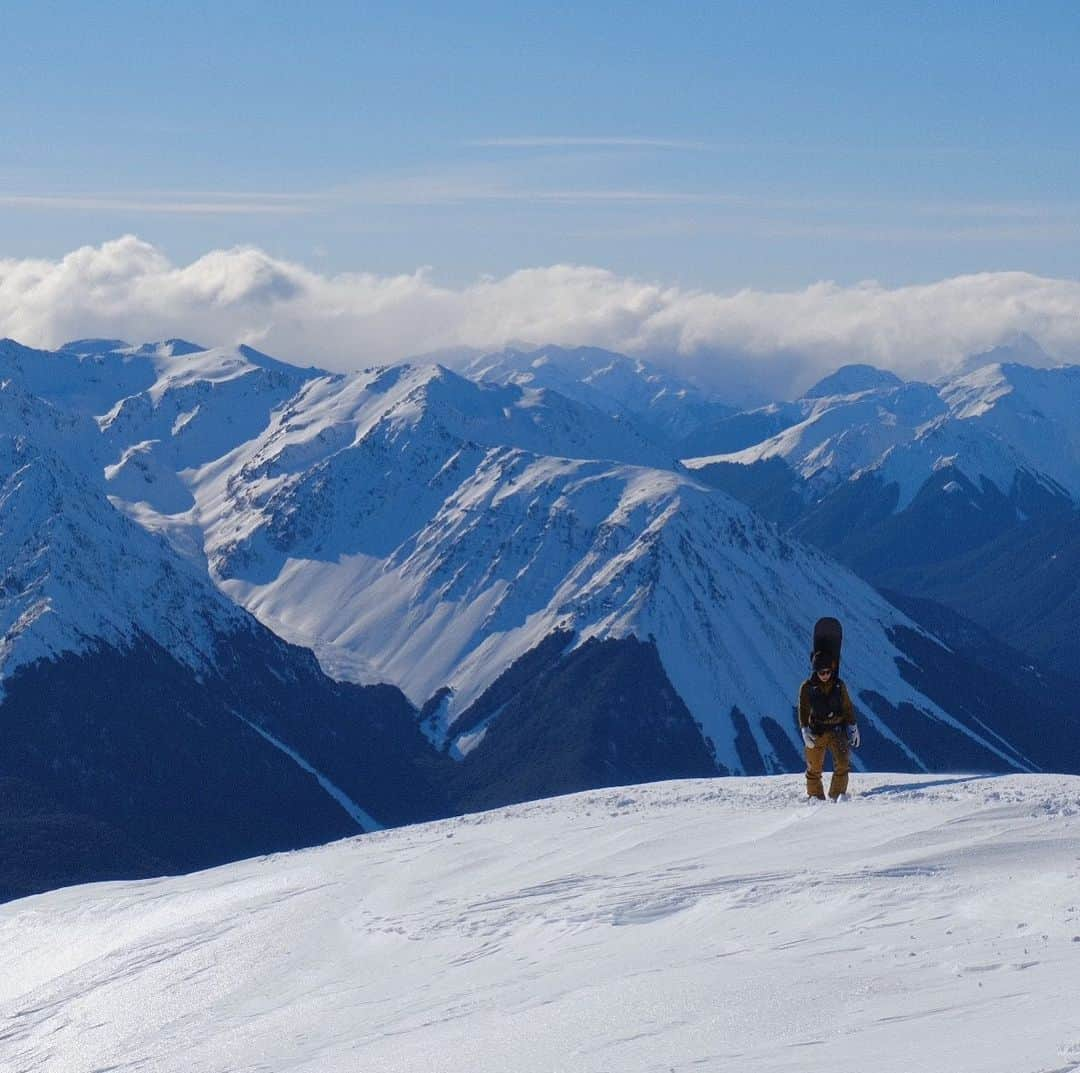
828	637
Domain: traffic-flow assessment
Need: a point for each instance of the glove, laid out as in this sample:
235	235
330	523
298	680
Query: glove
809	739
853	735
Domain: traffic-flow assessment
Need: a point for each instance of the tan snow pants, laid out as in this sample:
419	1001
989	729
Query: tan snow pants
835	741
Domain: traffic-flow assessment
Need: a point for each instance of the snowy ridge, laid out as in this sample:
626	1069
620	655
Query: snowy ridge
842	436
88	380
677	926
852	380
995	423
199	406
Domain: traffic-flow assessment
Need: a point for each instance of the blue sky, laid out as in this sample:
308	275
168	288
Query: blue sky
717	145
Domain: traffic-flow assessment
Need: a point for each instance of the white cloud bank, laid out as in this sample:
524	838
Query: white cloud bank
773	341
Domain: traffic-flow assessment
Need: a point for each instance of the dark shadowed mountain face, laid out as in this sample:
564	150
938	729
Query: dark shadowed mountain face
44	845
1018	711
856	524
606	714
1023	586
168	770
735	432
602	714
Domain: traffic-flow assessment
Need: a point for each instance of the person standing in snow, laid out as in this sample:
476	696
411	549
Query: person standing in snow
827	722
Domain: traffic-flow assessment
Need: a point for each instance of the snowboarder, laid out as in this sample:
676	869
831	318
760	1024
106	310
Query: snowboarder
827	722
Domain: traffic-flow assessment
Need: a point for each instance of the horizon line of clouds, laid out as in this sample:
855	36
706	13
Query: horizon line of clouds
772	340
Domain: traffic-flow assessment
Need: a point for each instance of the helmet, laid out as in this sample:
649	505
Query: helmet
823	662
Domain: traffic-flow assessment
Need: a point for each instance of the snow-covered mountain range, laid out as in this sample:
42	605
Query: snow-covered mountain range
416	527
931	923
512	591
997	423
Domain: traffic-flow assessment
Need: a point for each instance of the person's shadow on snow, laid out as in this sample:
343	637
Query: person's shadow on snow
903	787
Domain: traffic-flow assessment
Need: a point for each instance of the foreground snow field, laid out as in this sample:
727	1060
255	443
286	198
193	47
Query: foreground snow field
932	923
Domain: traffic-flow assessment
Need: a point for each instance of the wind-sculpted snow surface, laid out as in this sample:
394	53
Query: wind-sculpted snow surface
931	923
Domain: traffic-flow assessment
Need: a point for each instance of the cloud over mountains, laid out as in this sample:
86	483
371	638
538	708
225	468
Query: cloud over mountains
774	341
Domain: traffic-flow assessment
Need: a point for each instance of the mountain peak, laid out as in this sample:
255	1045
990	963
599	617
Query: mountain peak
851	379
163	348
170	348
86	347
1021	349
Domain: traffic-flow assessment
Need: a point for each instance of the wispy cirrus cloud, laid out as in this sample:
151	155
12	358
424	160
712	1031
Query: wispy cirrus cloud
213	203
701	211
480	187
778	339
578	142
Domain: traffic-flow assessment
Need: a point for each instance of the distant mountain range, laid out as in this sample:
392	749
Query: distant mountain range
964	491
667	406
511	585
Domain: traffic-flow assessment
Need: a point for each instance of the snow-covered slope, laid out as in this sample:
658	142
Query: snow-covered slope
351	465
522	545
851	380
88	378
482	545
930	924
1008	418
76	572
385	529
199	406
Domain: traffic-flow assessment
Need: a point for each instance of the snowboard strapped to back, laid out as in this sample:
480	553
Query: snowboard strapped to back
828	637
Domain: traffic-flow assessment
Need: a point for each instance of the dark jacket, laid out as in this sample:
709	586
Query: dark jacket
825	706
